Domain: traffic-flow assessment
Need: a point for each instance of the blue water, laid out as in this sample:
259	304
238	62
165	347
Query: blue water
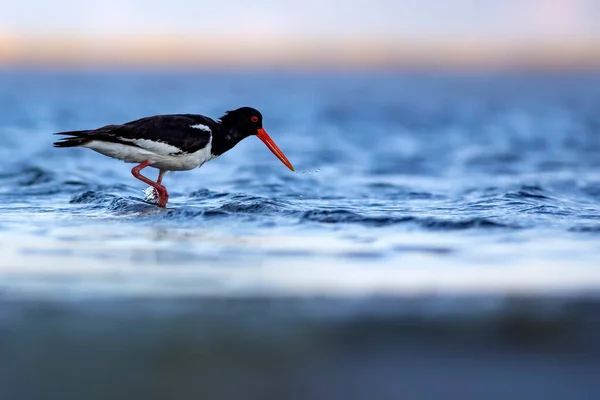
446	194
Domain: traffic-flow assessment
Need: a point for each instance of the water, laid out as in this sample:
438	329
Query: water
431	217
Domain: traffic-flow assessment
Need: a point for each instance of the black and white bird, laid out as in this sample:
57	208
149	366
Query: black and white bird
177	142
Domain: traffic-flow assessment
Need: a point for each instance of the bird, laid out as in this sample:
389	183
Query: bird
172	142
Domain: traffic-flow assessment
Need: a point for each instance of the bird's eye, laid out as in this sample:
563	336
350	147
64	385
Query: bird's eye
254	118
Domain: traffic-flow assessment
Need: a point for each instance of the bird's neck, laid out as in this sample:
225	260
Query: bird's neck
224	138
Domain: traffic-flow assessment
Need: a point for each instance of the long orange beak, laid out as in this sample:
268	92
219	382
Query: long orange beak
262	135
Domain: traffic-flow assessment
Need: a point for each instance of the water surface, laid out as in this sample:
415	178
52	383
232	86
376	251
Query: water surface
430	187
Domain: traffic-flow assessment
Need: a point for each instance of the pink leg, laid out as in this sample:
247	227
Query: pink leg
163	195
160	176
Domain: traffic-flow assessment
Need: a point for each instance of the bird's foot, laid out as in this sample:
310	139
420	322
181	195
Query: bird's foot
163	198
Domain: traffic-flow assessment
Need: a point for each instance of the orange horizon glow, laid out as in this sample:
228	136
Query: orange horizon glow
66	51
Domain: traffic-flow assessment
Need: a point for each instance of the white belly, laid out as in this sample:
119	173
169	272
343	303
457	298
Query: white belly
134	154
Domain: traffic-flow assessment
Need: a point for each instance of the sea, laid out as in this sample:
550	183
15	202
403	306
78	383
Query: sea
439	238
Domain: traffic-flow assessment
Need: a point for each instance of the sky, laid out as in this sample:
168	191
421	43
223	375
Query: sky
26	25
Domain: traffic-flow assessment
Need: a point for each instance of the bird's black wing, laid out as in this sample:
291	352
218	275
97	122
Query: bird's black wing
175	134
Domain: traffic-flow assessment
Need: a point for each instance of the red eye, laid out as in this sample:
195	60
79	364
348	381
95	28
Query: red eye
254	118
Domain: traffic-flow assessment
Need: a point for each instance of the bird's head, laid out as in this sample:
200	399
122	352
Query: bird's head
247	121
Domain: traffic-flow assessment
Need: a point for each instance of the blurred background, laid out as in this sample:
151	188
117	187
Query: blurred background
439	237
385	34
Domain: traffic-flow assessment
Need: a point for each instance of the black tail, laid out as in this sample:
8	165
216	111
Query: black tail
78	138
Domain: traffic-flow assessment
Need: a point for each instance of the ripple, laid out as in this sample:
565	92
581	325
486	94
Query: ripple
188	213
130	205
586	228
349	217
460	224
37	181
206	194
91	197
525	194
28	176
263	206
345	217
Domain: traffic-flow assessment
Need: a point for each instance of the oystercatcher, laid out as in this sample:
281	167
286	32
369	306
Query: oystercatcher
177	142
